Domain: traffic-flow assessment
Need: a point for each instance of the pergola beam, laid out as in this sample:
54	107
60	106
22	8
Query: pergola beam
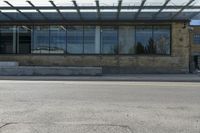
140	8
13	7
30	3
184	7
98	9
94	7
161	9
77	9
54	5
7	16
119	8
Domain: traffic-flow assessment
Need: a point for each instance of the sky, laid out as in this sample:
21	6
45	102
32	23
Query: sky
195	22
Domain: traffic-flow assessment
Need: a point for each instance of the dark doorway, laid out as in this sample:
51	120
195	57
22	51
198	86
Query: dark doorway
24	42
7	39
197	62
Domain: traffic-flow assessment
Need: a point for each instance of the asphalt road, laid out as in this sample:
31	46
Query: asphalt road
99	107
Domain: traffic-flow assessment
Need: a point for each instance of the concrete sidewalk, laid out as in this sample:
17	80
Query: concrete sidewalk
133	77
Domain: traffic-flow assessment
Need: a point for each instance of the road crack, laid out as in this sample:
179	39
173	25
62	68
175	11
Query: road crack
6	124
111	125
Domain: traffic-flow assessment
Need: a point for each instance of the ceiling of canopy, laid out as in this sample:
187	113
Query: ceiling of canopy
89	10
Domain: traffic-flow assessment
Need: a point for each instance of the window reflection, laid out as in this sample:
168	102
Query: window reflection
109	40
41	40
57	39
60	39
24	39
126	40
196	38
75	39
7	39
91	40
144	40
162	39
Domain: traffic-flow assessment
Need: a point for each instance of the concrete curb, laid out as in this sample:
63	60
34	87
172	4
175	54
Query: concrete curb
137	78
50	71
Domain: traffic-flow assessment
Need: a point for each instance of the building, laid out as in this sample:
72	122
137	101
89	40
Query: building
140	38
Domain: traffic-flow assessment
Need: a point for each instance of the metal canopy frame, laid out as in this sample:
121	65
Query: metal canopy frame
140	9
7	16
183	8
13	7
30	3
77	9
58	11
119	8
194	14
94	7
161	9
98	8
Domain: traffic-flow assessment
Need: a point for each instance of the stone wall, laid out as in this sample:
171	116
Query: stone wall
177	62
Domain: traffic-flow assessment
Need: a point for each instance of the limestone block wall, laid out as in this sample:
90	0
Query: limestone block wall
177	62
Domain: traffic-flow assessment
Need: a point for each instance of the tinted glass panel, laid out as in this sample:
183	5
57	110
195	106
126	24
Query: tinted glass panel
144	40
41	40
7	39
24	42
196	38
91	40
57	39
75	39
126	40
109	40
162	39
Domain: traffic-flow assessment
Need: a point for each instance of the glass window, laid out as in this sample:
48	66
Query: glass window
41	40
109	40
91	39
144	40
7	40
196	38
75	39
57	39
126	40
24	42
162	39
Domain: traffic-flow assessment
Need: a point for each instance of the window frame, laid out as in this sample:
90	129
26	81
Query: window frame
101	44
67	49
50	41
18	39
14	31
170	37
33	39
193	38
84	48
